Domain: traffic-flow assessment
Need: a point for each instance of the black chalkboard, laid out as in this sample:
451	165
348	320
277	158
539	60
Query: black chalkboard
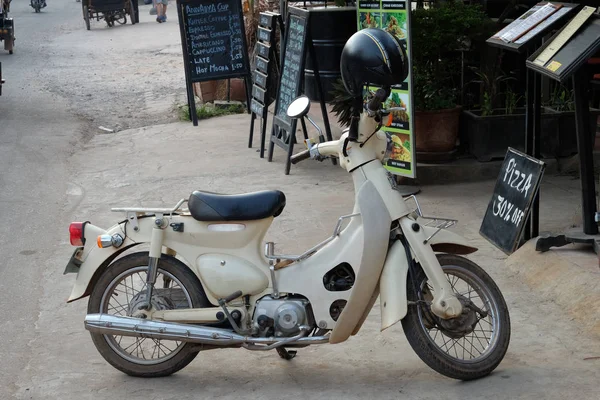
292	70
215	42
298	42
509	208
265	61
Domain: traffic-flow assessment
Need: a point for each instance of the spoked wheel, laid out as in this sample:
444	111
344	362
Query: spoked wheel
86	17
121	290
467	347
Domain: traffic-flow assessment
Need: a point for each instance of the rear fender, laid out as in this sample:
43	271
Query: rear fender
94	259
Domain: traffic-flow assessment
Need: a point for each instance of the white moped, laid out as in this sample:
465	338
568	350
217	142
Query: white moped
206	284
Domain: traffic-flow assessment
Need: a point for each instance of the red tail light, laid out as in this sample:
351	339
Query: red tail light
76	230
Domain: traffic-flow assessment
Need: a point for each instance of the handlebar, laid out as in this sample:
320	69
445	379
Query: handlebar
303	155
378	98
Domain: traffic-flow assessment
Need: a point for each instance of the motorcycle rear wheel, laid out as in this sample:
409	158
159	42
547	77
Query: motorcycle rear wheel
111	296
464	356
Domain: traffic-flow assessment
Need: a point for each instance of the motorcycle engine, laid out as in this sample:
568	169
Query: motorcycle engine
280	317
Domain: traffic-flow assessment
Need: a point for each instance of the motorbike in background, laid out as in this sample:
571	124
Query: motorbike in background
7	27
37	5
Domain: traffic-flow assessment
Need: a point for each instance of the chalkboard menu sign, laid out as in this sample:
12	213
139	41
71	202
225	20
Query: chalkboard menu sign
264	61
298	42
293	64
213	41
509	208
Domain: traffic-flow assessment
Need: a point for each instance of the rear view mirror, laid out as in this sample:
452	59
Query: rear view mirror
299	107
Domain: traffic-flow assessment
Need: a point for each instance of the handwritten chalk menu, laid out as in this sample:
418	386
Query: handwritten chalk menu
215	42
293	66
509	208
264	61
297	39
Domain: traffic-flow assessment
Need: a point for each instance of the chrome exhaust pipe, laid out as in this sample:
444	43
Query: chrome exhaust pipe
126	326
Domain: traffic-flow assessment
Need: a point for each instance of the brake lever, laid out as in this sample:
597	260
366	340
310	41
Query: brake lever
387	111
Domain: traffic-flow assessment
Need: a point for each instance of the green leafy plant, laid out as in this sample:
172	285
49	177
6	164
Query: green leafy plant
206	111
431	92
341	103
511	101
438	35
561	99
491	80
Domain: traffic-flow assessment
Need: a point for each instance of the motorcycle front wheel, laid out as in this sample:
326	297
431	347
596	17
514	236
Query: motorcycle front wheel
121	291
467	347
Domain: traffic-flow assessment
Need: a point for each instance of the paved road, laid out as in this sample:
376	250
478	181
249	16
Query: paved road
62	83
56	166
37	135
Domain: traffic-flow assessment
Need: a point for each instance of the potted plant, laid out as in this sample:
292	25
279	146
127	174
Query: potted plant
439	34
562	104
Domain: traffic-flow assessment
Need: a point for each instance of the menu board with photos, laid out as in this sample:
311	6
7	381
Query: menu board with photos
392	16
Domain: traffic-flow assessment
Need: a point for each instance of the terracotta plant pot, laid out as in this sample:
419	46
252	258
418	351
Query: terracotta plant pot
238	90
437	131
206	91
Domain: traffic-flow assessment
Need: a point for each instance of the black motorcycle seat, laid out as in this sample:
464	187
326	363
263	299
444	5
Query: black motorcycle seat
206	206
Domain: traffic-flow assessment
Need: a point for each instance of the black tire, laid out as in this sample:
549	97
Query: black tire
9	44
189	282
86	17
132	16
424	345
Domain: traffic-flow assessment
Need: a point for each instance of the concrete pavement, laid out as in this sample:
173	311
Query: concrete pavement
161	164
58	167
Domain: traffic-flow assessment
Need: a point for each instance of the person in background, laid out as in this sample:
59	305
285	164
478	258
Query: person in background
161	10
153	9
4	6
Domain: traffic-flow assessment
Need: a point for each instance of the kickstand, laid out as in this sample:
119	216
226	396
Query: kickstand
285	354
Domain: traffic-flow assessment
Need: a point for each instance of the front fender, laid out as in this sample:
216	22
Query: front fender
447	241
95	259
392	285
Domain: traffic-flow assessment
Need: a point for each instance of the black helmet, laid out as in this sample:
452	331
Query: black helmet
375	57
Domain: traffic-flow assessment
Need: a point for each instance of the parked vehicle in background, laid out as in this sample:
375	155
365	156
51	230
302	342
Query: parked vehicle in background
7	27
